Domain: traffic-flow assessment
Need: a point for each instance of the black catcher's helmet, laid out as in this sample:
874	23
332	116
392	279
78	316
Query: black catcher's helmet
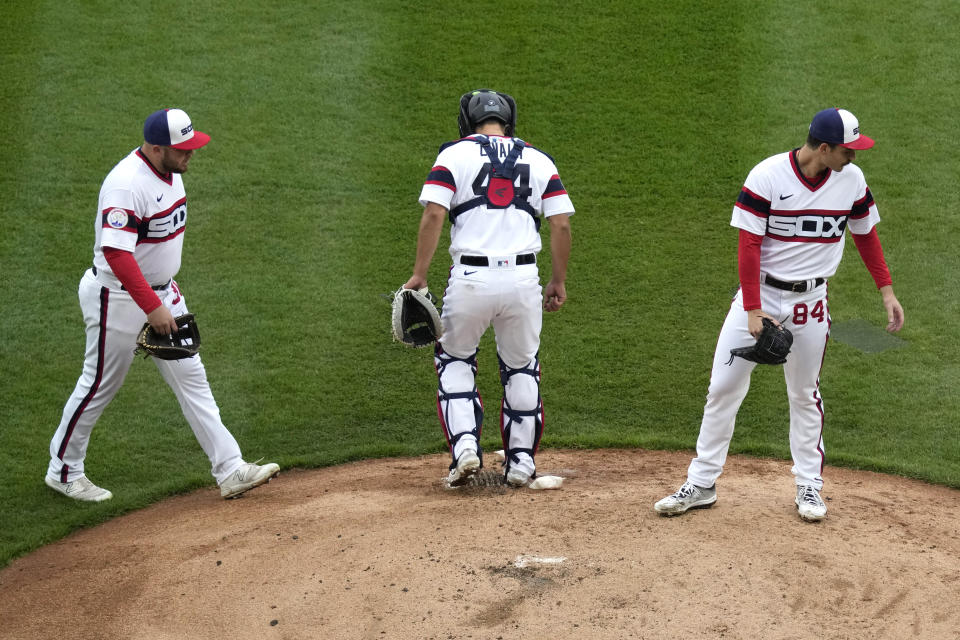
482	104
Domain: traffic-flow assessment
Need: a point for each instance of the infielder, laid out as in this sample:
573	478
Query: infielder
792	213
139	227
495	189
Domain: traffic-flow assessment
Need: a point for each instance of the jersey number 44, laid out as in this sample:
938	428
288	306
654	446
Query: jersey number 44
501	192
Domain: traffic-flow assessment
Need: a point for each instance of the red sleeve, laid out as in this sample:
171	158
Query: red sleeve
125	267
748	262
871	253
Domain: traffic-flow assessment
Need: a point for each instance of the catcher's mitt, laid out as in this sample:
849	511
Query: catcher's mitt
185	342
772	346
415	320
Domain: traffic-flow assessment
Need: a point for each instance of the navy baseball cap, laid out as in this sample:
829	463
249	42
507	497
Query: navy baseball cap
839	126
172	128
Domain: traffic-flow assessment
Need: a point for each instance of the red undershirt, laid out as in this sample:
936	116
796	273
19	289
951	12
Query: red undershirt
748	259
125	267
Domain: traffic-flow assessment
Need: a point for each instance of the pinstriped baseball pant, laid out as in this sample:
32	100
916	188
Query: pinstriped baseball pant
113	321
806	315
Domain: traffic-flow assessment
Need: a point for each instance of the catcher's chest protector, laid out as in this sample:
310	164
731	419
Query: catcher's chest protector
500	192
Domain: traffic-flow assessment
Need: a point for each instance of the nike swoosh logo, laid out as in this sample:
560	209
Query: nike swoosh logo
469	273
159	197
785	197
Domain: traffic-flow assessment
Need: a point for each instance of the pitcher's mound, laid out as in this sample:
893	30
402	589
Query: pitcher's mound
378	549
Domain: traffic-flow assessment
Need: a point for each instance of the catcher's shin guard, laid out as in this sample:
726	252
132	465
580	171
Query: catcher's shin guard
521	412
458	400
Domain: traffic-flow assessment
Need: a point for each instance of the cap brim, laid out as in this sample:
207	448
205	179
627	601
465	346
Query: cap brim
863	142
198	140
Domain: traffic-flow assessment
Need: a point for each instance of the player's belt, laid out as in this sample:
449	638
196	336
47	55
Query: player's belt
482	261
796	287
159	287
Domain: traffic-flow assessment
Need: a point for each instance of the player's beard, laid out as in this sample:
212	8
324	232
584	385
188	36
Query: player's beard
173	161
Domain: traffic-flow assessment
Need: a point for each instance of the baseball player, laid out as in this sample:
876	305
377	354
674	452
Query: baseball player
495	189
140	223
792	213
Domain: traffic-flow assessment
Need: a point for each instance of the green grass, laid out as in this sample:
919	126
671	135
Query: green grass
325	118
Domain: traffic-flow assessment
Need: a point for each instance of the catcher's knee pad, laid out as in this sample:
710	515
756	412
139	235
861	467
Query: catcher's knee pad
521	410
459	406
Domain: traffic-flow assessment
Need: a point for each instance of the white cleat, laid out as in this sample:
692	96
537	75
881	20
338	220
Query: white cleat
248	476
517	477
810	505
468	464
79	489
689	496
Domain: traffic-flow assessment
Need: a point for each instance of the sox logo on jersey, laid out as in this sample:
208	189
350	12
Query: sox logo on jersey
807	226
167	224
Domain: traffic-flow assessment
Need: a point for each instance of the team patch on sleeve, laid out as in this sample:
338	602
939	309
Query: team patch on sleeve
120	219
862	206
751	202
441	176
554	187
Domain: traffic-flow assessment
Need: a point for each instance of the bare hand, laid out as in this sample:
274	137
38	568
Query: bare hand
755	321
162	320
554	296
416	283
895	318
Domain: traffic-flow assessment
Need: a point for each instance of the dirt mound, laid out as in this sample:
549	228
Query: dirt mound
377	549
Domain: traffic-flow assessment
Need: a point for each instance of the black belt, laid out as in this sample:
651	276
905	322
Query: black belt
796	287
159	287
481	261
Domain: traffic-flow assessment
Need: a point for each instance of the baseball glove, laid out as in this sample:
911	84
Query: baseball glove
415	320
185	342
772	346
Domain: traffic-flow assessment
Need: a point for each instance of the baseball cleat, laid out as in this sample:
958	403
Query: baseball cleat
79	489
248	476
809	504
467	466
689	496
517	477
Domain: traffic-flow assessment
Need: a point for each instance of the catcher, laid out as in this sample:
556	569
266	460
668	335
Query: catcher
496	190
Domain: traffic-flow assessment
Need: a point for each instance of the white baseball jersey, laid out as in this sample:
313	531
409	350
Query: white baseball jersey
143	212
462	173
803	220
